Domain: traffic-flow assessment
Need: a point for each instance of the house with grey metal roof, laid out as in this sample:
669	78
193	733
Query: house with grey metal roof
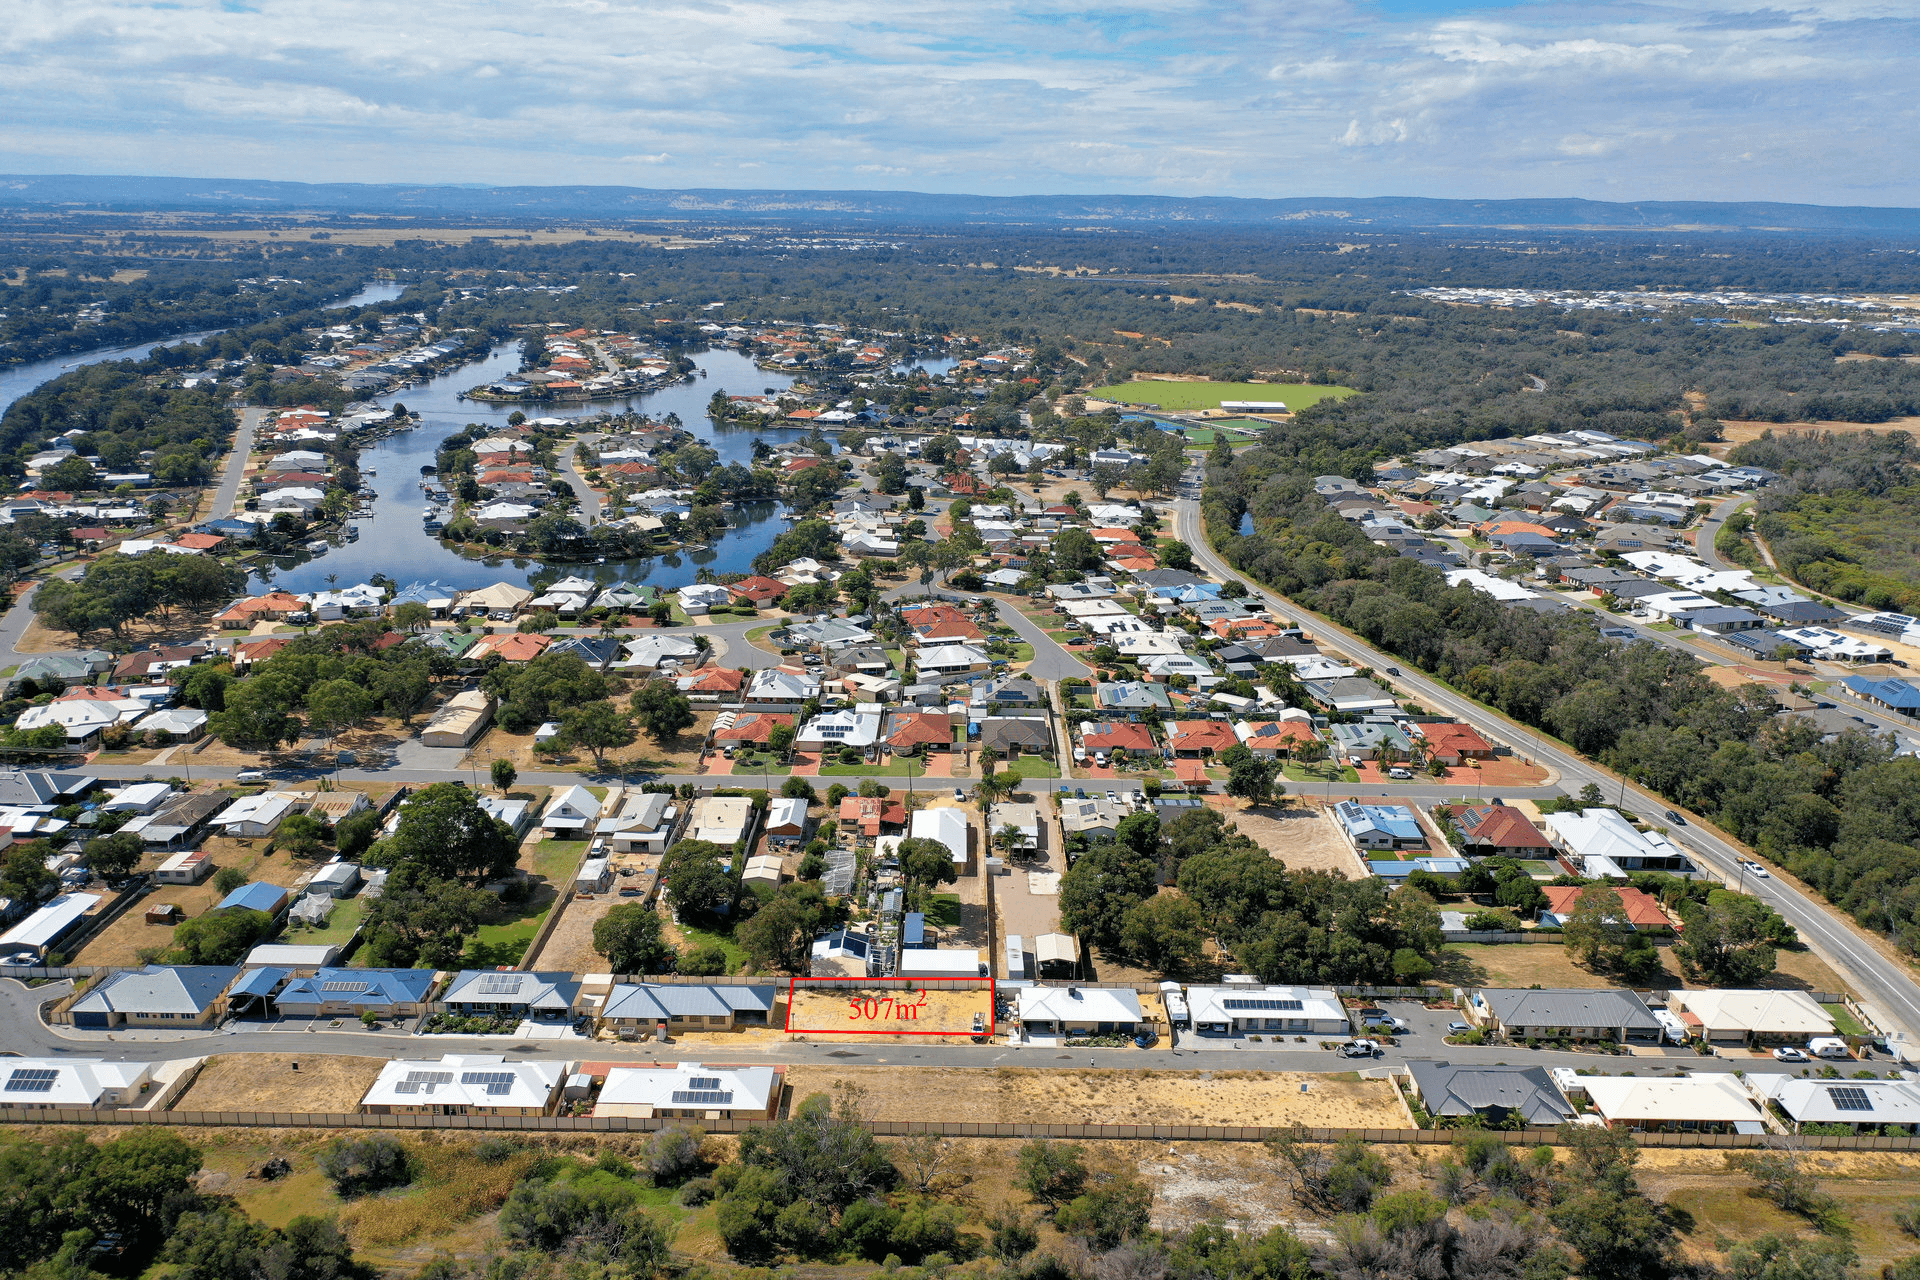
181	995
638	1008
1565	1014
335	993
491	993
1493	1092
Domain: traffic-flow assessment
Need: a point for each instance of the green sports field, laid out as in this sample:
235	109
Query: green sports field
1208	395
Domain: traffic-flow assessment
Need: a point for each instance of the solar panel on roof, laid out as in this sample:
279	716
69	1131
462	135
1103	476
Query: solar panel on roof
32	1080
1850	1097
704	1082
342	986
488	1078
1263	1004
703	1097
499	984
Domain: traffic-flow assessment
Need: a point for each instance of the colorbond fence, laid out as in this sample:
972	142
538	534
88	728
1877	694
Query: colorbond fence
903	1128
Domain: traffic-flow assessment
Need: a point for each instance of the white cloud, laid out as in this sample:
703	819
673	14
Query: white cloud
1613	99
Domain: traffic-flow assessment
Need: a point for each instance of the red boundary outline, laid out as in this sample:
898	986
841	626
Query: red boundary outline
793	983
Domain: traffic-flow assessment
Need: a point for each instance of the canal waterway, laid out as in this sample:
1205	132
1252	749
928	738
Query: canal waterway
393	541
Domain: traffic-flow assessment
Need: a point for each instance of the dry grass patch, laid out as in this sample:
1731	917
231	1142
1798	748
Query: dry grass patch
837	1012
1302	836
1010	1095
269	1082
454	1186
125	940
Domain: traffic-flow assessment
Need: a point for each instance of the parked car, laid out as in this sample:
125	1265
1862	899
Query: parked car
20	960
960	794
1787	1053
1458	1028
1359	1049
250	775
1399	773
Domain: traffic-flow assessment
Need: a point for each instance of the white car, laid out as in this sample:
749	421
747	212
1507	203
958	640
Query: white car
1113	797
1787	1053
250	775
1359	1049
960	794
1758	870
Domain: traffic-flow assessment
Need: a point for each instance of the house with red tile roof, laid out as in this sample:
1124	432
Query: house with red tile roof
907	731
754	726
1201	737
758	589
941	622
796	465
1110	536
1245	628
1271	739
1452	743
872	814
513	646
1193	775
272	607
192	541
961	483
1498	830
716	680
248	652
91	533
1118	737
1642	909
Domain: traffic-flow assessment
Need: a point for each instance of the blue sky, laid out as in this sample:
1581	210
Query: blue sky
1610	99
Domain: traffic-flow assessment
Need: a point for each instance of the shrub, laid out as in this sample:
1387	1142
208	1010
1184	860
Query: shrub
361	1166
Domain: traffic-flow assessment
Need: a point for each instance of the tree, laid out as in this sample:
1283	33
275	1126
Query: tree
300	834
629	936
115	855
1165	933
423	919
779	738
1597	930
355	834
1252	780
661	709
503	774
699	889
1109	1213
1339	1179
1730	938
780	934
1053	1173
597	727
1177	555
254	716
445	832
1102	887
412	617
926	862
1781	1257
219	937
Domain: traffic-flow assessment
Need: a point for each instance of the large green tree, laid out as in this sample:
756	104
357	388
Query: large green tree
444	831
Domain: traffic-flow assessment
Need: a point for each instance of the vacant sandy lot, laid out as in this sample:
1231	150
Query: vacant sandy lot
1302	836
834	1013
1739	432
269	1082
569	948
1019	1094
676	755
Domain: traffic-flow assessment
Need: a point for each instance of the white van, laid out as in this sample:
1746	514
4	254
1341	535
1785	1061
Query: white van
1828	1047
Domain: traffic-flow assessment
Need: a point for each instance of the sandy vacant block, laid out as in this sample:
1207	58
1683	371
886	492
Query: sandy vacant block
1302	836
854	1012
271	1082
1011	1095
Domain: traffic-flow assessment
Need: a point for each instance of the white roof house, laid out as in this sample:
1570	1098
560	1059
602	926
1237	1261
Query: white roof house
723	820
45	927
35	1084
465	1083
1059	1010
1610	846
922	962
853	727
1240	1008
643	822
79	719
652	651
139	797
689	1089
573	809
779	685
701	596
1747	1015
261	815
951	657
1635	1102
947	825
1852	1102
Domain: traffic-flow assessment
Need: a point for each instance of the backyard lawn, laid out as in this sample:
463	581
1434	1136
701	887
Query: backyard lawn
736	954
339	928
1208	395
1028	767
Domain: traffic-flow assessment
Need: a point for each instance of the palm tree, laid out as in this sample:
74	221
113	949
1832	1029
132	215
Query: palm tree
1012	839
992	787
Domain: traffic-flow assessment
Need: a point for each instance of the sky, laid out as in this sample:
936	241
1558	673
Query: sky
1811	102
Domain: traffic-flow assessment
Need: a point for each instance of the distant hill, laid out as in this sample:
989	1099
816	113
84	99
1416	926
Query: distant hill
241	195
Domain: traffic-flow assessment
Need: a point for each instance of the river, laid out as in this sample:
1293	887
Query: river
393	542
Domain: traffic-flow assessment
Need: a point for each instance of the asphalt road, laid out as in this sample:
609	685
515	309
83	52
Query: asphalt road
226	495
28	1036
588	497
1050	661
1887	985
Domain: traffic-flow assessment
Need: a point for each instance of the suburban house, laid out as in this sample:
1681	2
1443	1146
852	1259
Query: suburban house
458	1084
758	590
492	993
348	993
1095	817
1199	738
754	727
689	1090
1500	830
459	721
840	954
258	816
1641	910
906	732
72	1084
786	820
1452	744
1238	1009
1495	1093
570	812
781	686
1608	845
1017	735
639	1009
1714	1102
1379	826
721	820
1514	1013
189	866
180	995
1879	1106
946	825
871	814
1133	698
1077	1011
643	823
1112	738
42	931
517	814
259	895
1271	739
1751	1017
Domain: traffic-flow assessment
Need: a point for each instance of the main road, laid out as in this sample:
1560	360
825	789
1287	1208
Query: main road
1883	982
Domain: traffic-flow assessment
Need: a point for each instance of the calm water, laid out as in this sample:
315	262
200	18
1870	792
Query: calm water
393	542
